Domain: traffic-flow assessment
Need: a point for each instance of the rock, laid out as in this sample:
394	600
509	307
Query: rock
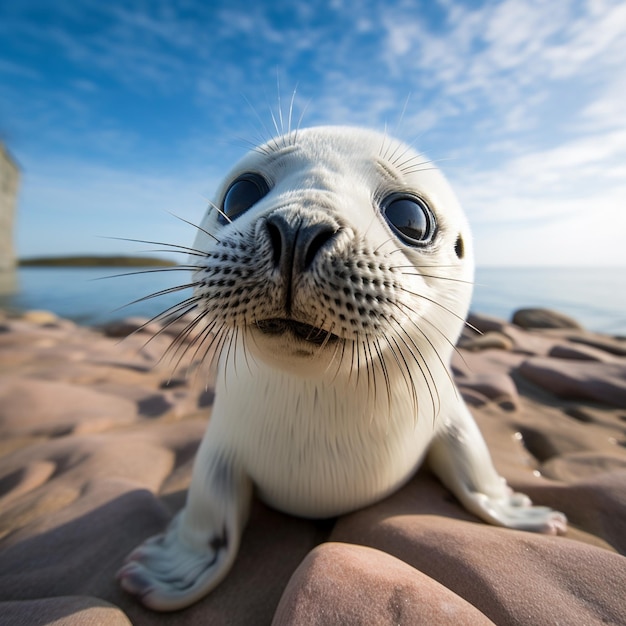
39	318
525	342
612	345
496	387
512	577
491	340
485	323
581	352
30	406
62	611
599	382
72	505
473	398
543	318
582	465
129	325
348	584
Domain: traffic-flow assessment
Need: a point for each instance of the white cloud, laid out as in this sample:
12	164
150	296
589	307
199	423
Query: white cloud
527	95
590	238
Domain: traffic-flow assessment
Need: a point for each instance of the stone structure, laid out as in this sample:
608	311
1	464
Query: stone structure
9	180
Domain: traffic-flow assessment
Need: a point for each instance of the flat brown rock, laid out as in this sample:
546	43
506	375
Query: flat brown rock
65	610
543	318
510	576
98	441
595	381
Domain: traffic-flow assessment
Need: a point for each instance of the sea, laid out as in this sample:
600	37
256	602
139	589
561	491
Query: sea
595	297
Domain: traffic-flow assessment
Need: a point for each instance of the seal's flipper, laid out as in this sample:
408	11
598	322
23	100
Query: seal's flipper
175	569
460	458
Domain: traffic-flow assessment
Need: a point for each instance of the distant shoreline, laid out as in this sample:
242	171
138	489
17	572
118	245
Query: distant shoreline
95	261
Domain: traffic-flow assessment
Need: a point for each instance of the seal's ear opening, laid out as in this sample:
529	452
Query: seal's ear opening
459	247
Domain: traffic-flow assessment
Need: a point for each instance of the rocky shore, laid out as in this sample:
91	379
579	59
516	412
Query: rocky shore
96	448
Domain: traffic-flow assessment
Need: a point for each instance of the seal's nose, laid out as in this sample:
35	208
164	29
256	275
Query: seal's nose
295	245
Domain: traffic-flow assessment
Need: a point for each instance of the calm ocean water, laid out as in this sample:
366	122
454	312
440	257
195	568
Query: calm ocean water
596	297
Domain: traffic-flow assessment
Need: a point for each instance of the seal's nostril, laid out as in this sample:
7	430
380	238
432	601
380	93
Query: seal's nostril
276	242
294	243
315	242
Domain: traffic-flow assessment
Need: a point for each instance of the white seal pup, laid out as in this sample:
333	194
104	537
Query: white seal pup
336	279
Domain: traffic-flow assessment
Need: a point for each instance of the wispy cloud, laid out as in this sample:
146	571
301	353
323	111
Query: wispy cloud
524	97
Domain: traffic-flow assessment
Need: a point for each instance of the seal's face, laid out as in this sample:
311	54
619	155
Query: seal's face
335	245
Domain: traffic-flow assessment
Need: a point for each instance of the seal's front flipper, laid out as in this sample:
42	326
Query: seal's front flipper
175	569
460	458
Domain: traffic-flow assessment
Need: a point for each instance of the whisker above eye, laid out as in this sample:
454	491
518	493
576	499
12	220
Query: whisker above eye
202	230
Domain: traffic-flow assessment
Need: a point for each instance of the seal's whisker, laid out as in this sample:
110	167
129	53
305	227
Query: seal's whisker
455	280
173	310
435	302
407	166
411	163
180	249
369	359
230	336
177	268
355	348
421	363
182	338
280	111
340	361
216	208
393	159
196	226
300	120
383	367
173	314
383	139
162	292
208	334
214	340
291	103
436	352
383	244
451	343
404	369
327	338
244	344
251	145
268	135
233	346
181	344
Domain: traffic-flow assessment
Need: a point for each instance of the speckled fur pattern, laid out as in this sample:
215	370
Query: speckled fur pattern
333	336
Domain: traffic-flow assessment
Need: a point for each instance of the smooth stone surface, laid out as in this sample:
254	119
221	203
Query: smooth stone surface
491	340
543	318
349	584
62	611
599	382
99	437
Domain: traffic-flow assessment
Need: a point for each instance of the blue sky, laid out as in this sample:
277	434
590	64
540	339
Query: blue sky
121	112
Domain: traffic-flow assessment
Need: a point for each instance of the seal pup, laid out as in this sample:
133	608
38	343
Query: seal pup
335	276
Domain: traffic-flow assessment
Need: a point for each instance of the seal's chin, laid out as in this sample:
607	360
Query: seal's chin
300	330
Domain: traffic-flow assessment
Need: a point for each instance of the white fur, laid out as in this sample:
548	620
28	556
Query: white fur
316	431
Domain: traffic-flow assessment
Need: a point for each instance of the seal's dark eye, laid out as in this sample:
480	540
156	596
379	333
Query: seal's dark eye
409	218
246	191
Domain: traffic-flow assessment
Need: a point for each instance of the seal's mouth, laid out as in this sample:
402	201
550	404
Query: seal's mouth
306	332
